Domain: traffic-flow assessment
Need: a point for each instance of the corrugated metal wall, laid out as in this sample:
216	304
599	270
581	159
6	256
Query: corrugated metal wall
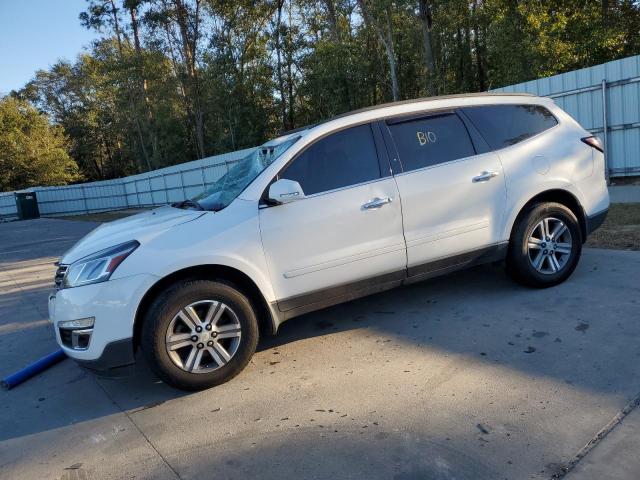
158	187
581	94
7	205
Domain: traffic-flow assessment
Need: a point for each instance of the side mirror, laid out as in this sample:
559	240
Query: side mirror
285	191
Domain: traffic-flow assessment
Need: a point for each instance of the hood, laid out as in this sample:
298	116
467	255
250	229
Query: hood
141	227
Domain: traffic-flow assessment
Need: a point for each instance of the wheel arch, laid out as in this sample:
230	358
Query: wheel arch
267	317
557	195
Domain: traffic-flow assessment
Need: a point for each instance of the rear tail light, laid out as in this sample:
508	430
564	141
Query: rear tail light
593	142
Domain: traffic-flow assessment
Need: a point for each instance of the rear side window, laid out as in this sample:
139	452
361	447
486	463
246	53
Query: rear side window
344	158
428	141
506	125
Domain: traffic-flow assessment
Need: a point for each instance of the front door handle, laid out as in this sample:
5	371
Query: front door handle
376	203
484	177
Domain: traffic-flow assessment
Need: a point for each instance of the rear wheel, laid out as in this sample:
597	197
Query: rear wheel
199	334
545	245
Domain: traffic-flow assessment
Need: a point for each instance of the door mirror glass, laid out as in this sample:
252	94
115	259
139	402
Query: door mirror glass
285	191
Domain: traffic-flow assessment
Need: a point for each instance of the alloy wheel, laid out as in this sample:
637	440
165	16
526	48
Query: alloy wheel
203	336
549	245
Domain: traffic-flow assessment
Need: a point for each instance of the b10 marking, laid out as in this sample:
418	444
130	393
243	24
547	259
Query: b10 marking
426	137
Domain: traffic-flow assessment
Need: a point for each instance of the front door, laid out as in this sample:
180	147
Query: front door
345	236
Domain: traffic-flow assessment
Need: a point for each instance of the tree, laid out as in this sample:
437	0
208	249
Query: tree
32	151
168	81
103	13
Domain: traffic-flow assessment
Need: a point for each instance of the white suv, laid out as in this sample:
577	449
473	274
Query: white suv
355	205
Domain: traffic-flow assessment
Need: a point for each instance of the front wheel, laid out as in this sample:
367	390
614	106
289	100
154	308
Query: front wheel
545	246
199	333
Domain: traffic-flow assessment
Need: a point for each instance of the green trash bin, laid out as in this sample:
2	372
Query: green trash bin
27	204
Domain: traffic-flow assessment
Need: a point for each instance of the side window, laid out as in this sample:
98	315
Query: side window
344	158
505	125
431	140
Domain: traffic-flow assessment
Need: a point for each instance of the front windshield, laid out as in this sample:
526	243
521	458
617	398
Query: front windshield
232	183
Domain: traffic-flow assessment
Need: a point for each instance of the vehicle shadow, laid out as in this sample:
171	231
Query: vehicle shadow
341	452
567	333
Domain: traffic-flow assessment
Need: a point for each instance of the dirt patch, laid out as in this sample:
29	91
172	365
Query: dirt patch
621	229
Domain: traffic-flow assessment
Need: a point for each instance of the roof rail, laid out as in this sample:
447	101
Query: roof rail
407	102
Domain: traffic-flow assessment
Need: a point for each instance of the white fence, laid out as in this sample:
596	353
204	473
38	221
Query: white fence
158	187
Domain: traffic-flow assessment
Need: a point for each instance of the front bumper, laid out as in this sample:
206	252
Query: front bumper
113	305
116	359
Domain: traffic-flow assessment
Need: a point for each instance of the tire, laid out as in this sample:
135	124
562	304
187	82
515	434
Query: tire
186	353
528	242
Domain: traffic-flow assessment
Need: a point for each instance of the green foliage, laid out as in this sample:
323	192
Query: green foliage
174	80
32	151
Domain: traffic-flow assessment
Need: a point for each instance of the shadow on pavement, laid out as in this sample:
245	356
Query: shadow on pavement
582	334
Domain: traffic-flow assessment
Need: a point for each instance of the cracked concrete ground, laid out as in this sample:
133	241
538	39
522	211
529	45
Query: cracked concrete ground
467	376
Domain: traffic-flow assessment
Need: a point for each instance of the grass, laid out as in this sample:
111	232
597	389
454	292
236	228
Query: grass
621	229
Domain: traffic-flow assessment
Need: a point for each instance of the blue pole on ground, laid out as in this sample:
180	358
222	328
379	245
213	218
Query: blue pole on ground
33	369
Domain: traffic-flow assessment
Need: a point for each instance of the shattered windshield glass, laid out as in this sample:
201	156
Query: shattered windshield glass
231	184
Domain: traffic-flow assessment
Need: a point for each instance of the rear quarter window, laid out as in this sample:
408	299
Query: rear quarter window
506	125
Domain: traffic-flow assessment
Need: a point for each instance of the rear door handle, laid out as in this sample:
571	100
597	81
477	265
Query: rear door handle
376	203
484	177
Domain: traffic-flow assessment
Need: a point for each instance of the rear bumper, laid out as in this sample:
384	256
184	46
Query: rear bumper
594	221
116	360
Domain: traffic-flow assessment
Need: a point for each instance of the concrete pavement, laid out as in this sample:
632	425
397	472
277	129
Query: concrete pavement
467	376
616	457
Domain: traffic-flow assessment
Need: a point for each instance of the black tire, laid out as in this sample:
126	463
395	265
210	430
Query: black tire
519	263
160	315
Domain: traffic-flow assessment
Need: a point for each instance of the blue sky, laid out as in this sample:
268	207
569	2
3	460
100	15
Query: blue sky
34	34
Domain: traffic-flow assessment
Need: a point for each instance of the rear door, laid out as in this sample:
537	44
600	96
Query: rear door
345	237
452	190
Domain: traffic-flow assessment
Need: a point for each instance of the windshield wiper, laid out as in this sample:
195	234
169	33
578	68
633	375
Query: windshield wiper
187	203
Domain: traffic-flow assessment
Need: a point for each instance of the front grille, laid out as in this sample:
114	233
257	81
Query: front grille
60	273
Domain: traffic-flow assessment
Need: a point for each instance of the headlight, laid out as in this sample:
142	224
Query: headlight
99	266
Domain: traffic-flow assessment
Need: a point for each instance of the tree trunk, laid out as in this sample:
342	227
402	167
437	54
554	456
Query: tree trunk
151	126
479	49
333	19
189	50
386	40
116	25
283	105
391	56
290	74
426	21
134	113
468	67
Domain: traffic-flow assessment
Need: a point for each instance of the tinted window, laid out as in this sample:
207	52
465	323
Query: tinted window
344	158
431	140
504	125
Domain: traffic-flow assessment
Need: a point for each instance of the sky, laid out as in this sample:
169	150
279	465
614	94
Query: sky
34	34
